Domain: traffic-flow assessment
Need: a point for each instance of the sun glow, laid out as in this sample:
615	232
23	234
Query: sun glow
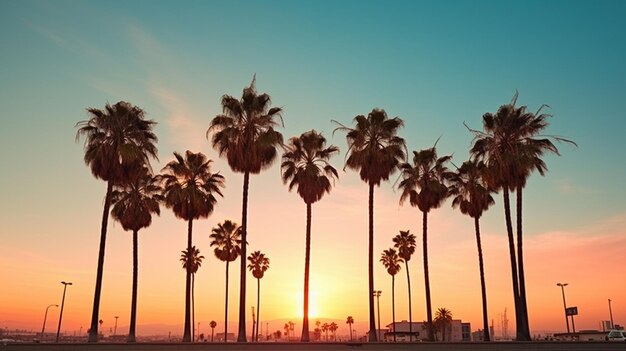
313	306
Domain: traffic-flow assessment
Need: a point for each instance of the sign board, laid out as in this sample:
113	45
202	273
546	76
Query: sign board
571	311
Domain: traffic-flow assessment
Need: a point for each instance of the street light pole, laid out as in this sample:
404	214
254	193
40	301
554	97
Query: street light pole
45	316
115	328
611	314
65	284
377	295
564	304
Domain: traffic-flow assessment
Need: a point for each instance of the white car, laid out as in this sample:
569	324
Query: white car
616	335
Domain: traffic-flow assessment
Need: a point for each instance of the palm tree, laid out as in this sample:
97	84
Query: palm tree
349	322
473	196
391	261
286	327
116	139
245	134
443	319
424	184
192	260
375	150
333	329
325	329
213	324
508	147
258	265
305	166
189	188
405	243
134	202
226	238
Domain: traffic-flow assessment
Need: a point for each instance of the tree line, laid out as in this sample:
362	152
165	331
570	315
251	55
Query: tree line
120	142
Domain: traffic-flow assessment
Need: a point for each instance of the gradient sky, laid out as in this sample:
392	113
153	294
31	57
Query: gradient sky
434	64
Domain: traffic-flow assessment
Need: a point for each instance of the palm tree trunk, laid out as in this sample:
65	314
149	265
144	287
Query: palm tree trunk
187	330
226	308
212	333
133	304
242	285
393	305
482	280
350	326
93	330
520	267
307	261
373	331
429	313
193	307
509	230
258	309
408	279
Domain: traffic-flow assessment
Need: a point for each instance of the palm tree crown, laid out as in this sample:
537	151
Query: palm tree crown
191	259
259	263
226	239
135	200
117	138
190	186
405	243
470	192
391	261
305	166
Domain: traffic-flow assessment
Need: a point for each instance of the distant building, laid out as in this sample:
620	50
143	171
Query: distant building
457	331
219	337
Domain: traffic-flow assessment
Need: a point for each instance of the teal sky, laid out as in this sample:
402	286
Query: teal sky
435	64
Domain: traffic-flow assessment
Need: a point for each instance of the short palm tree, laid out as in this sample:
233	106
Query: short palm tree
190	189
349	322
116	139
424	185
325	329
226	238
405	243
473	196
305	166
375	151
213	324
443	319
245	134
511	145
134	201
333	329
192	260
391	261
259	263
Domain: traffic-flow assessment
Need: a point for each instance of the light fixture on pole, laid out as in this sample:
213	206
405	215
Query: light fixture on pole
115	327
377	296
563	285
45	316
65	284
611	314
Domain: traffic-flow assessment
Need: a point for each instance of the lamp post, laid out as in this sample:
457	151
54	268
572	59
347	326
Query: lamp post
611	314
115	327
65	284
377	296
563	285
45	316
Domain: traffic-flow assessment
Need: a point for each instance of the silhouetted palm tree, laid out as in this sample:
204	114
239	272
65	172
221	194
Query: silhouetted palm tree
333	329
213	324
134	201
226	238
443	319
424	184
305	166
245	134
473	196
325	329
192	260
349	322
116	138
258	265
375	150
508	147
405	243
189	188
391	261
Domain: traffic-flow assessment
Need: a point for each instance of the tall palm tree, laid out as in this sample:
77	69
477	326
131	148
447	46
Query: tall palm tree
349	322
424	184
192	260
405	243
226	238
116	138
375	151
473	196
213	324
391	261
134	201
245	134
443	319
305	166
508	146
190	190
259	263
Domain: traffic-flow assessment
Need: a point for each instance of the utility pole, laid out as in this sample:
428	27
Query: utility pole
611	314
115	328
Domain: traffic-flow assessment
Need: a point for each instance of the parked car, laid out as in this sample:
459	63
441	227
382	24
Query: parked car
616	335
